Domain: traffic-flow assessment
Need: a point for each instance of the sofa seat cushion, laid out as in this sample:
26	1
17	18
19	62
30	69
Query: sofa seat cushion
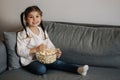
95	73
18	74
21	74
102	73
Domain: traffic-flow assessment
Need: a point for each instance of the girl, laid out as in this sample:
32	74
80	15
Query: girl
34	38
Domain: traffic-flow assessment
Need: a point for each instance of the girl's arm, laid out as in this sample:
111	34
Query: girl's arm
22	49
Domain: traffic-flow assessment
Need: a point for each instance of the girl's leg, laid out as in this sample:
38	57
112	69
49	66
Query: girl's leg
36	68
60	65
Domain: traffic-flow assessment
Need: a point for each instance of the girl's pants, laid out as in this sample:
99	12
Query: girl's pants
39	68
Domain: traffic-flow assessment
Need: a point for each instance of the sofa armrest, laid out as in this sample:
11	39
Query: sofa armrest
3	57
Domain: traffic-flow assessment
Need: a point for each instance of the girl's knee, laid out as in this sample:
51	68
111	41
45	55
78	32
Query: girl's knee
41	70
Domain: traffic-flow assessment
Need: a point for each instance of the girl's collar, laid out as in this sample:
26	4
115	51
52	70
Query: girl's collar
31	33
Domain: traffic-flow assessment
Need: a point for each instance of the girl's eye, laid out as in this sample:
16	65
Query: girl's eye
30	17
37	16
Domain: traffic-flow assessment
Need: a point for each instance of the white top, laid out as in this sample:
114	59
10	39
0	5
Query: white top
24	44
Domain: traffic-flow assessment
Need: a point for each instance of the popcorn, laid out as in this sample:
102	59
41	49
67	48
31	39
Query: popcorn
47	56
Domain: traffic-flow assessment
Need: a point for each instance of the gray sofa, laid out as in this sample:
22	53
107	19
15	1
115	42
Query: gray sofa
92	44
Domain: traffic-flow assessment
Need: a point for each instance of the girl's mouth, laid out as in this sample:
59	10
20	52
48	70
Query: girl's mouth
34	22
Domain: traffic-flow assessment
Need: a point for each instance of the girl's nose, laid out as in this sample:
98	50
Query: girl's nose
34	19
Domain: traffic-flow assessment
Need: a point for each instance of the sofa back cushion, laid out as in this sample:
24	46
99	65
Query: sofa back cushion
96	45
80	43
3	57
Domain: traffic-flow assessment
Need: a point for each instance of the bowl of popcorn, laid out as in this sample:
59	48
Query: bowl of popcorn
47	56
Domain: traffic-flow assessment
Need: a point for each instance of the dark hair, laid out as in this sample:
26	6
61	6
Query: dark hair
25	14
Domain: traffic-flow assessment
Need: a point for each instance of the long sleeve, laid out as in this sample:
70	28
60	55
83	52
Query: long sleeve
22	48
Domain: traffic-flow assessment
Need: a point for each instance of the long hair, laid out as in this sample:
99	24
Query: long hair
25	14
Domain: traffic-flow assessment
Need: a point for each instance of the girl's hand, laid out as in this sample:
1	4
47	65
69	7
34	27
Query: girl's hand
41	47
58	53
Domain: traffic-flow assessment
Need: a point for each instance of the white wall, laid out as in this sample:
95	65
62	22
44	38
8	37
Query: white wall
78	11
86	11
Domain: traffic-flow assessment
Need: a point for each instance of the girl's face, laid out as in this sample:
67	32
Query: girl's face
33	19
